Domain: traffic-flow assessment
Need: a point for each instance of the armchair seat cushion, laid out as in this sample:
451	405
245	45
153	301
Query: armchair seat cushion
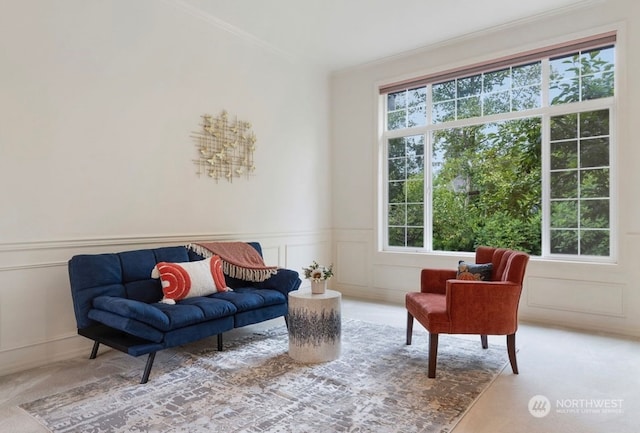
429	309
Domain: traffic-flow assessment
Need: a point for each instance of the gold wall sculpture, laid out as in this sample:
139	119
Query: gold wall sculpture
225	148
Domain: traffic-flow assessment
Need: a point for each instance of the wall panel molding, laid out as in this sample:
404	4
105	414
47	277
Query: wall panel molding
587	297
42	254
353	263
145	239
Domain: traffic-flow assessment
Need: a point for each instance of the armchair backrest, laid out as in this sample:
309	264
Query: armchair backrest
508	265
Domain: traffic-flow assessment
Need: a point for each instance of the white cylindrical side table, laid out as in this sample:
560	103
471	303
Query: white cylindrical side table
314	326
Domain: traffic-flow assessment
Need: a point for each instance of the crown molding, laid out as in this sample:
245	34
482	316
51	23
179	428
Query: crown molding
231	29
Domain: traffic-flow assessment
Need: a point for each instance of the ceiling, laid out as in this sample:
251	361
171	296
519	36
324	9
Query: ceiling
338	34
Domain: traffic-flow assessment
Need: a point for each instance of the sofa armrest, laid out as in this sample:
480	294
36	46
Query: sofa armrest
285	281
435	280
483	307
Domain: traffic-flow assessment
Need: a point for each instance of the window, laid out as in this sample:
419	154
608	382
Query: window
513	154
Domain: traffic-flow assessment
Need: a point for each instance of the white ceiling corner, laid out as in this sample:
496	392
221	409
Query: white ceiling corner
338	34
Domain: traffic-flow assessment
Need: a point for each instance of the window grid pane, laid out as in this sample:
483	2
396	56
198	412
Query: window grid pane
405	212
502	91
579	180
582	76
407	108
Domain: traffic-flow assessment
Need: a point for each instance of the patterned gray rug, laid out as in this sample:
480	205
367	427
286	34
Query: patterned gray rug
379	384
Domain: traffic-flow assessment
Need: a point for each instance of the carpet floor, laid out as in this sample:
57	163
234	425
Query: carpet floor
378	384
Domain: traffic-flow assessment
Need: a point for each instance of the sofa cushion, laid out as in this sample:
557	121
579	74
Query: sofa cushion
195	310
165	317
211	307
148	290
244	318
190	279
250	298
472	271
136	265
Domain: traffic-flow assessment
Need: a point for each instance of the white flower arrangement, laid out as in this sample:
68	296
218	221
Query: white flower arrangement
318	272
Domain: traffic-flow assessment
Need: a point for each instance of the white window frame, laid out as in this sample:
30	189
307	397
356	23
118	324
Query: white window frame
545	112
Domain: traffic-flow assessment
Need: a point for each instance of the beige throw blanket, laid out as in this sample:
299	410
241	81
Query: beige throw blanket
239	259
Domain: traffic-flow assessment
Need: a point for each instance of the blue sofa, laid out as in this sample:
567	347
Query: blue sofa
116	302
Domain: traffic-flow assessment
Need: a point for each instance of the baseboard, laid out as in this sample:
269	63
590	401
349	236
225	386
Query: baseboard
39	355
564	324
367	293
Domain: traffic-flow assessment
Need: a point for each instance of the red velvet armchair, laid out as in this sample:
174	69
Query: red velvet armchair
446	305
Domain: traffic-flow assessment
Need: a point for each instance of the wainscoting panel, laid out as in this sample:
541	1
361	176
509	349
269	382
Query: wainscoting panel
37	323
398	278
576	296
35	306
301	254
352	259
271	255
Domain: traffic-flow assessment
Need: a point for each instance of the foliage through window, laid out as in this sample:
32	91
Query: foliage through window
517	157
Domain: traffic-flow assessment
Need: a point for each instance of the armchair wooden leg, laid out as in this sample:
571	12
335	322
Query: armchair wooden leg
433	354
409	327
511	350
220	342
485	343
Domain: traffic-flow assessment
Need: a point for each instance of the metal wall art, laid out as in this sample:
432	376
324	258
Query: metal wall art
225	148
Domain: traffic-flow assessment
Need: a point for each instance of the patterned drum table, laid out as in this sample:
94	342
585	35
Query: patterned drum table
314	326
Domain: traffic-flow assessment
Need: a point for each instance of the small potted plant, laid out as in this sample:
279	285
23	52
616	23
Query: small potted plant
318	274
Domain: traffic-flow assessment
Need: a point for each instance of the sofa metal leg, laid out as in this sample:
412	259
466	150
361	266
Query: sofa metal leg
286	321
147	368
220	342
409	327
485	342
433	354
94	351
511	350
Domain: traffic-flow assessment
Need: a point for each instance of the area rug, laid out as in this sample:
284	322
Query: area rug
379	384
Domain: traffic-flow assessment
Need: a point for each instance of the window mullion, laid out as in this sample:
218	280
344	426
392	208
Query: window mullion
428	192
546	184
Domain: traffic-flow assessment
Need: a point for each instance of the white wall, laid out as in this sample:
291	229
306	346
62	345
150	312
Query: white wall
590	296
97	103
